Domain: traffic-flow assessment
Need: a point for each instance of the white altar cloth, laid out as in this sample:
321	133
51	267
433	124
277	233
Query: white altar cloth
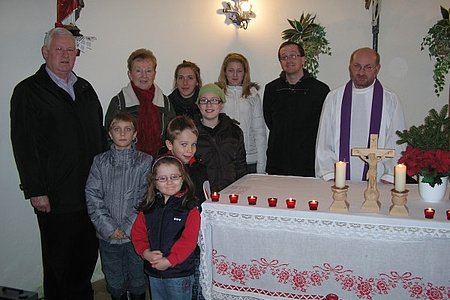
261	252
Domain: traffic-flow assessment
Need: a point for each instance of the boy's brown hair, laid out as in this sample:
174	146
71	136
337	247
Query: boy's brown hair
177	125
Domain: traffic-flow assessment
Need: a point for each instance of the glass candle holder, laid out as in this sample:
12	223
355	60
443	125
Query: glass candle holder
290	203
252	199
313	204
429	213
272	201
233	198
215	196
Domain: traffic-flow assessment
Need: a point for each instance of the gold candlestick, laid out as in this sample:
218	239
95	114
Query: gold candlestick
340	203
398	207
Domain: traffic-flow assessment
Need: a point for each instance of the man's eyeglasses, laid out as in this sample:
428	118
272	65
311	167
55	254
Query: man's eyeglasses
204	101
173	177
290	56
366	68
61	50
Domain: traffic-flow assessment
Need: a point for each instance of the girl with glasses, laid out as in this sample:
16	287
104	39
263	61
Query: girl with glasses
166	229
220	144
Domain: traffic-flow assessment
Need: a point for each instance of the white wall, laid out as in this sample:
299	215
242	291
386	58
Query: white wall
193	30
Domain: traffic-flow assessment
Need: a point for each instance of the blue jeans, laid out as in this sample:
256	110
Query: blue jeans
197	288
123	269
171	288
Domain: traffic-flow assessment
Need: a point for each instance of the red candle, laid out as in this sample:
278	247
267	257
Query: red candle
290	203
215	197
448	214
429	213
313	204
252	200
233	198
272	201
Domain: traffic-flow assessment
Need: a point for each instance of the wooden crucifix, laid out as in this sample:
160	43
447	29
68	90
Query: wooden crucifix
372	156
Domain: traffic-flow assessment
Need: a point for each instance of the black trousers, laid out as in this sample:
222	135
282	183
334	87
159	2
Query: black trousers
69	255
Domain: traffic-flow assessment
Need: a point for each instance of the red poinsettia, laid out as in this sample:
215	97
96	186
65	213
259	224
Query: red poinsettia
431	164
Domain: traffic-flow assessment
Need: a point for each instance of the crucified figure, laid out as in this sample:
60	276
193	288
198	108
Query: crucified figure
372	156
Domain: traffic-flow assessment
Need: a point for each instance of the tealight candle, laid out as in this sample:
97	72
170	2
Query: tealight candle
339	176
332	297
233	198
215	196
313	204
252	200
290	202
400	178
429	213
272	201
448	214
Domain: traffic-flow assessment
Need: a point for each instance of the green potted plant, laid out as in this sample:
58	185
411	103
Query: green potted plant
438	42
428	152
312	37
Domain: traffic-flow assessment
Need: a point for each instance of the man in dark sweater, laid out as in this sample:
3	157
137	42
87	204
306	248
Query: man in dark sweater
292	105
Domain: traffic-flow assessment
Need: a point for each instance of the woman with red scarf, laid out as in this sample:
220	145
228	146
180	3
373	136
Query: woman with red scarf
145	101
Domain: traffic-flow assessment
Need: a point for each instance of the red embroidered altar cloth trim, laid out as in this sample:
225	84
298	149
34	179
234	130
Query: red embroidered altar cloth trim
257	252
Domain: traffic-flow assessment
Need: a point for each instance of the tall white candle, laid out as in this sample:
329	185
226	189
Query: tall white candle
400	177
339	175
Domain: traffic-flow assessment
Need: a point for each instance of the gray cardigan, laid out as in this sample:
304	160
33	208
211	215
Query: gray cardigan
116	184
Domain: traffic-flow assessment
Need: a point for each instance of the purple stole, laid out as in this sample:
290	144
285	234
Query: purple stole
346	112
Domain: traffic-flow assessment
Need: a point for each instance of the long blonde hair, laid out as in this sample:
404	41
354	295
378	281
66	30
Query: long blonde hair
246	81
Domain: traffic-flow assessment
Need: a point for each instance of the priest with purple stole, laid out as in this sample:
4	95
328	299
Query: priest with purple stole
354	111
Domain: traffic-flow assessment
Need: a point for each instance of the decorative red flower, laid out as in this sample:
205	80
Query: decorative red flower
416	290
299	281
382	287
283	276
315	279
365	288
254	272
348	283
238	274
222	268
435	294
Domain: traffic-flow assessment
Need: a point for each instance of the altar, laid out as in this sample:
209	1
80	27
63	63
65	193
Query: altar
262	252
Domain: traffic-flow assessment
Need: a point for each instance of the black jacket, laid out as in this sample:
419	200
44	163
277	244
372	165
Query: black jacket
292	114
198	174
222	150
55	139
184	106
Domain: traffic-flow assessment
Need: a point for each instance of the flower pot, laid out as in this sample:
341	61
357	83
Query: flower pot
432	194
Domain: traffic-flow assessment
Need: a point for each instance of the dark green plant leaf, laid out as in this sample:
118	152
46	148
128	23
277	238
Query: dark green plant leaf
445	13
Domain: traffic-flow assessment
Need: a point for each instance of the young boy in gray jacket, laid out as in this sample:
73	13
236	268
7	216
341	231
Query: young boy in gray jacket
116	184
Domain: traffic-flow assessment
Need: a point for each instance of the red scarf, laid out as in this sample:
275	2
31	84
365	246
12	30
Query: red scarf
149	122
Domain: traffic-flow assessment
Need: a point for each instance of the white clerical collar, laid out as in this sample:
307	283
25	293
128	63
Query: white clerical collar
363	90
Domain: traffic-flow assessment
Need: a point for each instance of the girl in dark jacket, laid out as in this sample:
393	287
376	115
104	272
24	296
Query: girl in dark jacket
220	144
165	232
